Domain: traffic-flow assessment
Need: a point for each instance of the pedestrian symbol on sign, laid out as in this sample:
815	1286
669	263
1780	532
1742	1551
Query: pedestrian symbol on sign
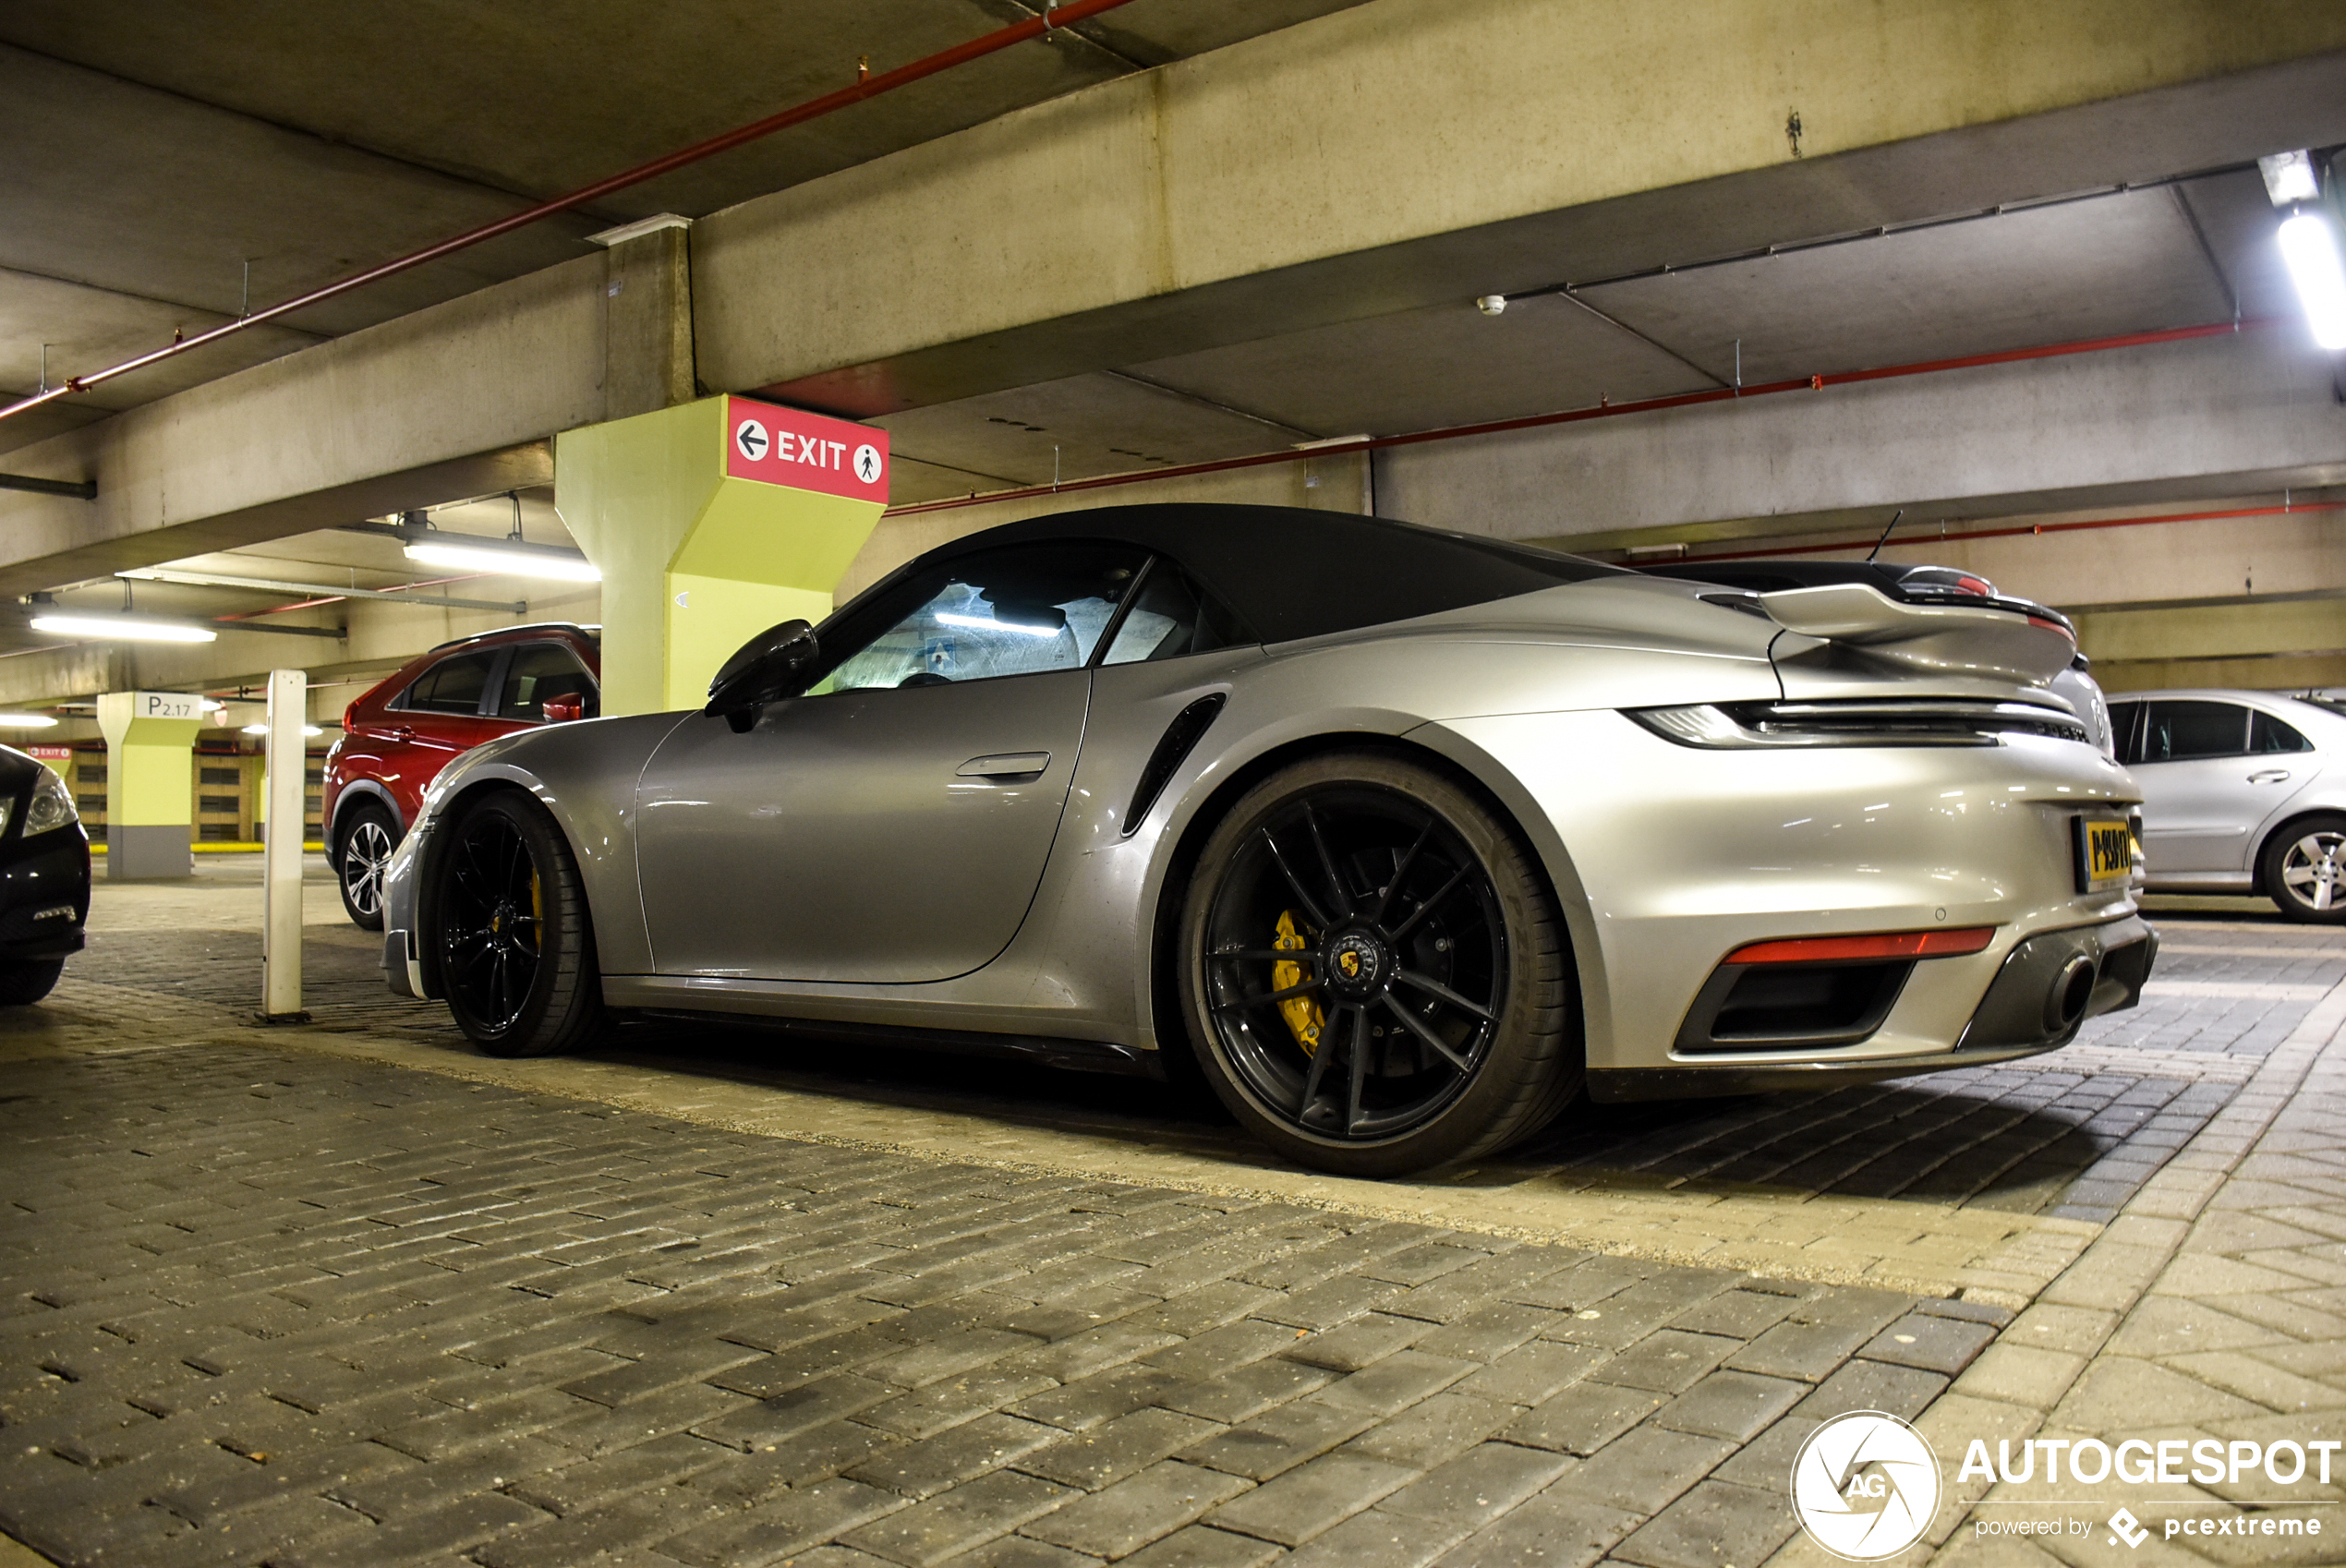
867	464
750	436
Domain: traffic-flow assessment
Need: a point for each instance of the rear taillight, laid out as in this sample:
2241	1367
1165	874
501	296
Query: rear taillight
1919	721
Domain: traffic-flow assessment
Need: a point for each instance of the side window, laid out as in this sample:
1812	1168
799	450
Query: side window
1172	617
540	670
453	686
2124	733
1021	609
2178	731
2267	733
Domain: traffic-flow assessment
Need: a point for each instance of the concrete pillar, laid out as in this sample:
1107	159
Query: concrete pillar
712	520
647	316
151	738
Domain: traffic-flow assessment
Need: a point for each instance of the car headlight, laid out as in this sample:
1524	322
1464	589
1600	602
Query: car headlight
51	806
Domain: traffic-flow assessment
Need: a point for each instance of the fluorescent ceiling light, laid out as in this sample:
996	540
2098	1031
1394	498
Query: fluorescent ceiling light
513	559
2310	246
122	628
27	721
982	624
2288	177
263	729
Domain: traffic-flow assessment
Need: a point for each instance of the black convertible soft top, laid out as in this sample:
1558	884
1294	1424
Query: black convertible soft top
1290	571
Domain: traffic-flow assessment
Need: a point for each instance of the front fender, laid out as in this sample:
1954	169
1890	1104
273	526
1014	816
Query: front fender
585	774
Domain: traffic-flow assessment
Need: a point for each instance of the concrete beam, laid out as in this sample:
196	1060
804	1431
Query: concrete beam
2232	413
2277	624
450	401
1408	152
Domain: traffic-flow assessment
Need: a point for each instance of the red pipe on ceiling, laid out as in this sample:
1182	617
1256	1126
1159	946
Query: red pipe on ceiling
1055	16
1601	411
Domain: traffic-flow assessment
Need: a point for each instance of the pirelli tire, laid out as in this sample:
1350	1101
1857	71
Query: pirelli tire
511	933
1375	974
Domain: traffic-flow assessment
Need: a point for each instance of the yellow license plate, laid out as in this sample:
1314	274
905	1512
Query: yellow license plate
2105	855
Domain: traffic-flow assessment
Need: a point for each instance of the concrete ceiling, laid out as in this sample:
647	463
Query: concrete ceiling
159	151
156	153
2091	265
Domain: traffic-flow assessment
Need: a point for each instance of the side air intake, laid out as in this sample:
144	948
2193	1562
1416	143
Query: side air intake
1179	739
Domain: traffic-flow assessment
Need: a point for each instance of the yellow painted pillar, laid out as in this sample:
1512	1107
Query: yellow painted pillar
712	520
151	738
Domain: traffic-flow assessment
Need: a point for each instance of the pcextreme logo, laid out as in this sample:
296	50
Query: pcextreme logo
1864	1485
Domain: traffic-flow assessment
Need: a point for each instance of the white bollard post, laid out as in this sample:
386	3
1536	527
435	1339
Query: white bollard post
287	762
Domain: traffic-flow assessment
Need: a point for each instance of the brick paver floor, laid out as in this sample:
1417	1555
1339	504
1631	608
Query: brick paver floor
265	1301
263	1307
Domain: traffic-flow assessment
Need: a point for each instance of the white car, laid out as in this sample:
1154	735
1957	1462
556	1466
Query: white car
2243	793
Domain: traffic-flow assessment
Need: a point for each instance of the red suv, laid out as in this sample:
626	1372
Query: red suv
397	737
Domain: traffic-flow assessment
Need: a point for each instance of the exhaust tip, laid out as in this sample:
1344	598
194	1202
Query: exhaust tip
2072	992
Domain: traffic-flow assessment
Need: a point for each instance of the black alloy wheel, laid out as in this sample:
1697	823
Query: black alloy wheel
1375	973
2303	869
508	922
364	854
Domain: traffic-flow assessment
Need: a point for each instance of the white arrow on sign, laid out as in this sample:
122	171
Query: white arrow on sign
867	464
750	436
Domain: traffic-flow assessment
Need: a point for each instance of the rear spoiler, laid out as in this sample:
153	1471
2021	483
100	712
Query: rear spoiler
1941	639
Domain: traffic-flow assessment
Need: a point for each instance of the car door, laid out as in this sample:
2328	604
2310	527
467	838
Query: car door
2204	790
441	714
890	825
536	672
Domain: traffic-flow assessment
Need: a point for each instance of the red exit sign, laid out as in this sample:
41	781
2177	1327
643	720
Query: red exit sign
809	451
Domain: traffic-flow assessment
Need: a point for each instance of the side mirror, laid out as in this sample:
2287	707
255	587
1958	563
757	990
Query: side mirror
761	672
563	709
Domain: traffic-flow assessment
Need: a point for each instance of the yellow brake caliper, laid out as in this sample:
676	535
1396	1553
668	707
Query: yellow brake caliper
536	913
1304	1016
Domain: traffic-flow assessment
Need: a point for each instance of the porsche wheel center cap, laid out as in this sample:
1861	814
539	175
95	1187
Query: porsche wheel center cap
1357	966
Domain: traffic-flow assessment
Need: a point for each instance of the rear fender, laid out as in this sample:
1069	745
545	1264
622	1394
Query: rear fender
1204	790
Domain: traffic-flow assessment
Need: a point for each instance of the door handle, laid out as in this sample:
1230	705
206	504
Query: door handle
1005	764
401	733
2269	776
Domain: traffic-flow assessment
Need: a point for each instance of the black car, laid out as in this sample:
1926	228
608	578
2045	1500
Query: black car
44	878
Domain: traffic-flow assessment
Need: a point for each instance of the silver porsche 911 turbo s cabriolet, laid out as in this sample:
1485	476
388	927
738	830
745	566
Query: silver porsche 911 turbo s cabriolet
1406	838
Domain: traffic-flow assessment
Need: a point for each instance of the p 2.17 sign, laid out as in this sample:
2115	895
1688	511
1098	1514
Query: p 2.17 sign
809	451
166	705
